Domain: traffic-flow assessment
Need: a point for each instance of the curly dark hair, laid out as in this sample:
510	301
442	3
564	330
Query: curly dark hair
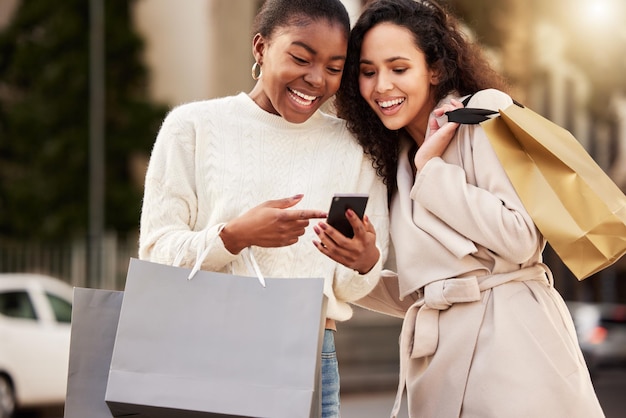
461	65
280	13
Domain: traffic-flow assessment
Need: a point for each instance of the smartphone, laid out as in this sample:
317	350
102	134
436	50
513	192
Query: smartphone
337	213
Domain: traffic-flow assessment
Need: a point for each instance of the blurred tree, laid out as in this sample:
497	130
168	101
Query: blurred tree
44	120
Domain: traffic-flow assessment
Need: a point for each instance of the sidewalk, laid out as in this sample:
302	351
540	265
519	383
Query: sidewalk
367	350
370	405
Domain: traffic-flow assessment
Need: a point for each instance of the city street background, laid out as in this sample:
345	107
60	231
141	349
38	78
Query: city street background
62	128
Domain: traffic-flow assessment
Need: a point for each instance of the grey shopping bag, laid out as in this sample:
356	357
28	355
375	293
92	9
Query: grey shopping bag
95	313
216	345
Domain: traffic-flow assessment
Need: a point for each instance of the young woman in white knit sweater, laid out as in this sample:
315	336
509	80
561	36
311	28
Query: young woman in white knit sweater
249	172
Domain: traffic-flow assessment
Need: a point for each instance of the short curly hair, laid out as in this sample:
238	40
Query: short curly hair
461	65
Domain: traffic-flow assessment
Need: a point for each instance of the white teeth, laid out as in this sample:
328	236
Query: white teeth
304	96
389	103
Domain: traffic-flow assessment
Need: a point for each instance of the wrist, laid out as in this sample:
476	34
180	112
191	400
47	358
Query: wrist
375	257
231	239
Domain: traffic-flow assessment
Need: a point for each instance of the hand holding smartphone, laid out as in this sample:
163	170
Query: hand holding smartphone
337	213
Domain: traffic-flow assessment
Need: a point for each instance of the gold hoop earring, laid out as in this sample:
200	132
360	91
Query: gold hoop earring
256	67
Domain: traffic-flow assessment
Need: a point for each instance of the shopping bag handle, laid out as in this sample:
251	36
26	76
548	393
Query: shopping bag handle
251	261
248	257
471	115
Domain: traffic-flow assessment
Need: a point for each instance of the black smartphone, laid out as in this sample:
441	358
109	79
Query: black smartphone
337	213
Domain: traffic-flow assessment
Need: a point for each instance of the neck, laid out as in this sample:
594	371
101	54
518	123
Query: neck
419	125
417	132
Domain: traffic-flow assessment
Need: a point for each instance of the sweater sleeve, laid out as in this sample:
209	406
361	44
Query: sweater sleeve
170	203
488	212
349	285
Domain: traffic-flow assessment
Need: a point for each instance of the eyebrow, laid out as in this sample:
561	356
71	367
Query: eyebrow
388	60
314	52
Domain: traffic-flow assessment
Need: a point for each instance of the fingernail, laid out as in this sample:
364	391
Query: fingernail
298	196
323	226
349	213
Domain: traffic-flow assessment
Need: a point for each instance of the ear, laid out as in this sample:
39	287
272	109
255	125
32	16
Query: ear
435	76
437	71
258	48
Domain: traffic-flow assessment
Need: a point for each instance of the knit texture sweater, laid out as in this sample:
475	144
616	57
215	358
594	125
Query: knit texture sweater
215	159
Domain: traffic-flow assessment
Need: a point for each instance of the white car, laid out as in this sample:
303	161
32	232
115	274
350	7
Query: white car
35	314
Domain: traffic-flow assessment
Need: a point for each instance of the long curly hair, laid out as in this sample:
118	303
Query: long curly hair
460	63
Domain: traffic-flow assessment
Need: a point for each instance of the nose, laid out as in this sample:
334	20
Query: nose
383	83
315	77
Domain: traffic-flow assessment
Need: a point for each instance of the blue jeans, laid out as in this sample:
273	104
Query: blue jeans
330	377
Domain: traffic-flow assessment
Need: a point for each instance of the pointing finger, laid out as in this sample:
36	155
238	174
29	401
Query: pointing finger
284	203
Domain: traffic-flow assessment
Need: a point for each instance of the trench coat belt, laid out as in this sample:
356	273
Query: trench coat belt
420	329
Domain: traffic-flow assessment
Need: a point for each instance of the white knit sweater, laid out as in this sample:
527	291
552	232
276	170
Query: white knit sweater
215	159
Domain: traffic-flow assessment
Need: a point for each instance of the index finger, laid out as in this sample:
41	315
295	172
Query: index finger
307	214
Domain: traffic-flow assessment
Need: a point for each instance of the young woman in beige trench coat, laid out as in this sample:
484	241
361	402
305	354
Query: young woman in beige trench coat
485	333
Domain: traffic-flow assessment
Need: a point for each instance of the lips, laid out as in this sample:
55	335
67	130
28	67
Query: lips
302	99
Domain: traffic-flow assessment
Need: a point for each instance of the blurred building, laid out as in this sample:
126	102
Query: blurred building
7	7
202	50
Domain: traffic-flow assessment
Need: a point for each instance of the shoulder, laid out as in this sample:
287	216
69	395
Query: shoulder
333	122
187	117
490	99
336	129
200	107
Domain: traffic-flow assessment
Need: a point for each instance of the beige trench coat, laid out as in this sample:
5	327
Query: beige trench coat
485	334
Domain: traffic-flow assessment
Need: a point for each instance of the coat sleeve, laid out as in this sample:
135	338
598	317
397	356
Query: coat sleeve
385	297
478	200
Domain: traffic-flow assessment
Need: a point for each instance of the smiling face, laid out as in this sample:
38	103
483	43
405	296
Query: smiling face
301	68
395	79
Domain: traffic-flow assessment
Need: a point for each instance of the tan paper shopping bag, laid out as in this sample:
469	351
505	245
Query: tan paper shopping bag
573	202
